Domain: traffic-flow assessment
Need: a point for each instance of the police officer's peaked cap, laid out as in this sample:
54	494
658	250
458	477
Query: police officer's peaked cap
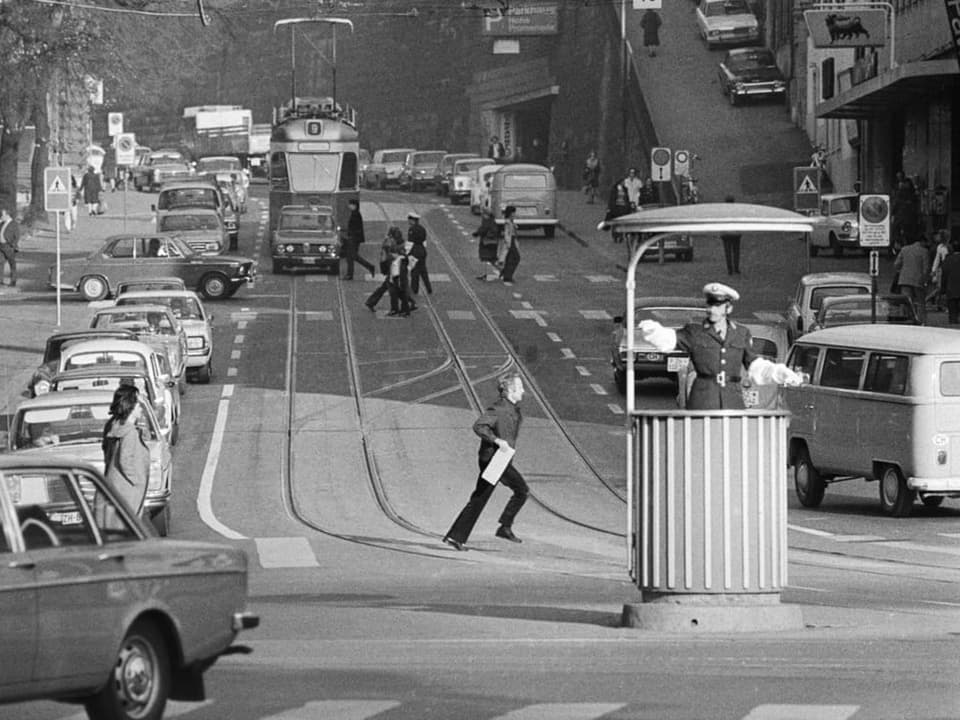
720	292
413	216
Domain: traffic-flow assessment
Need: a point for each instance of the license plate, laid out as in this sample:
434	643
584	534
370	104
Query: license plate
310	260
651	357
527	211
751	398
66	518
676	364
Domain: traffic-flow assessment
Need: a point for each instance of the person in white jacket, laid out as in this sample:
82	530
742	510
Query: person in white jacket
720	349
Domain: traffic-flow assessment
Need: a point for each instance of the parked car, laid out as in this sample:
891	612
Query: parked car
155	325
384	169
144	284
532	190
40	382
671	312
216	164
71	422
144	173
464	175
804	304
859	310
101	611
199	193
444	171
128	257
727	22
676	245
201	228
197	323
419	172
480	188
837	226
131	354
751	73
306	236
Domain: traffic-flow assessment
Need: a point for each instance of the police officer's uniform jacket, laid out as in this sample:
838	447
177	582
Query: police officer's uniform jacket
718	362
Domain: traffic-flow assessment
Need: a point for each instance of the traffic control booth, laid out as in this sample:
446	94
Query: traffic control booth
706	489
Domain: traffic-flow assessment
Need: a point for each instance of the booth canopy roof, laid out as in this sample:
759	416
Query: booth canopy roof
711	218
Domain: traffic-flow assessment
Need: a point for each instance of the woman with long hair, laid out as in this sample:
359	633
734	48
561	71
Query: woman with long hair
126	457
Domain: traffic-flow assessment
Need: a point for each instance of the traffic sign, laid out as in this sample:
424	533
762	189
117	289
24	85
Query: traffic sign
647	4
681	163
57	189
126	149
806	188
114	123
874	221
660	159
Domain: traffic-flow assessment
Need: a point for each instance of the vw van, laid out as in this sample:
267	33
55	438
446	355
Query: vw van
878	405
532	190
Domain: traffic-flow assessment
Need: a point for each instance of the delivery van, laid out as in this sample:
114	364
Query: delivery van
878	405
532	190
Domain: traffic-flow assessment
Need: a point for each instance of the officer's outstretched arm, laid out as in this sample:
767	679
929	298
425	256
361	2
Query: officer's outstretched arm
662	338
764	372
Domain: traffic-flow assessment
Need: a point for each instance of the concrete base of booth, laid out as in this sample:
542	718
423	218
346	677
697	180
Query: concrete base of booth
711	613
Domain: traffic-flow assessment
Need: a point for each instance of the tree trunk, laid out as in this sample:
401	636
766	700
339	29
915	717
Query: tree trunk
9	149
39	162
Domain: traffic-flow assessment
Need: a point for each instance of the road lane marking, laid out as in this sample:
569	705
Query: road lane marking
317	314
601	278
241	324
615	408
238	340
227	391
561	711
336	710
526	305
583	371
546	278
567	353
599	389
802	712
461	315
595	315
534	315
285	552
235	354
553	337
205	493
231	372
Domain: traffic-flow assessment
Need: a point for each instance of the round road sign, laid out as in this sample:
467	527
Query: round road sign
125	144
661	156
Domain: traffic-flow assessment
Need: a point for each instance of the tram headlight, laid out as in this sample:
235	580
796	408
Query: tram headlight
288	248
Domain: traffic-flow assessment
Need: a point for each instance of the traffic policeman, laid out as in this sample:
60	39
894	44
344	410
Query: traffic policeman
719	350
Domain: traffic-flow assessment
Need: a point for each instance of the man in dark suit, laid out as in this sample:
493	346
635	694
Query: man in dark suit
498	427
351	246
9	244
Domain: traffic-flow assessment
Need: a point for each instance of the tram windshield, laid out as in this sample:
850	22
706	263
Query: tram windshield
313	172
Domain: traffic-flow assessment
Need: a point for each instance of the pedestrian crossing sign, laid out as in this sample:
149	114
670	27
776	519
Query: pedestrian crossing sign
806	188
56	183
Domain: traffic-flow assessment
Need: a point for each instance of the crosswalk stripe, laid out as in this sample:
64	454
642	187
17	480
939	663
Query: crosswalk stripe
285	552
801	712
561	711
175	708
336	710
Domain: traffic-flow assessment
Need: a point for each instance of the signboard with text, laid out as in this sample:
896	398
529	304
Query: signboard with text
874	221
523	18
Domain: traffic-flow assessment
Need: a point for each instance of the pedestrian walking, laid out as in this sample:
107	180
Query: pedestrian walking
950	282
91	188
488	238
355	236
591	177
9	244
618	205
913	272
650	22
940	251
634	184
70	217
649	195
718	348
509	256
389	249
126	457
731	247
495	150
498	428
417	235
401	304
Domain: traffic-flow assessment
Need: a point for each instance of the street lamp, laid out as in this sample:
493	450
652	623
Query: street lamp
293	51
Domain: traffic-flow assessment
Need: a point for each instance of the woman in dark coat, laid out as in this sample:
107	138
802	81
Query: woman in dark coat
126	457
91	187
651	22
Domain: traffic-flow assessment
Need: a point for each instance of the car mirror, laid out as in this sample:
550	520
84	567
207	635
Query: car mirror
153	208
617	319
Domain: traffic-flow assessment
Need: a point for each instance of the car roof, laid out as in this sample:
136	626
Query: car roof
99	370
119	309
913	339
13	461
524	167
219	157
201	181
834	278
67	397
459	156
108	344
397	149
863	298
190	210
82	332
162	293
667	302
837	196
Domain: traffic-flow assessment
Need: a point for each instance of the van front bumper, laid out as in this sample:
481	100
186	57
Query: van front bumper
934	485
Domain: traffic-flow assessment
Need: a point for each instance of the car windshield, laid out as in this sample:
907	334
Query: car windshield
63	424
750	60
857	312
307	221
844	205
187	197
136	320
313	172
172	223
427	159
102	382
818	294
394	157
183	308
105	357
209	165
670	316
161	158
526	181
465	167
729	7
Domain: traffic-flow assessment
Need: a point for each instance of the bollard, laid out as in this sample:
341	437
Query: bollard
709	521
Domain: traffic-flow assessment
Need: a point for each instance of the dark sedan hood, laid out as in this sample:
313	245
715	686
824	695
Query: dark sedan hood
762	74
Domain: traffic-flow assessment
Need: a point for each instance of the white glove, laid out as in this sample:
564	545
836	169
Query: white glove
764	372
783	375
662	338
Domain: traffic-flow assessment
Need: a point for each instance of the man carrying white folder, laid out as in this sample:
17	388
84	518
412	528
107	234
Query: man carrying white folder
498	428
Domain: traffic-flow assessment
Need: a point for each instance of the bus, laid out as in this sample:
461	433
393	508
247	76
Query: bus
313	157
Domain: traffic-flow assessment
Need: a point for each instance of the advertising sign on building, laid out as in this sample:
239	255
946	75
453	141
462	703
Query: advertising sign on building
853	27
523	18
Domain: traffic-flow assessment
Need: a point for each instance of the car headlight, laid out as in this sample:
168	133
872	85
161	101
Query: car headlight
42	387
196	342
846	227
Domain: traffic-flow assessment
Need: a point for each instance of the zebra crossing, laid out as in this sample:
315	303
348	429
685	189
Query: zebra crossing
369	709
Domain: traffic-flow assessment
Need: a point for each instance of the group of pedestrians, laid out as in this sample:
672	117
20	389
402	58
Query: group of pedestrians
930	275
403	264
498	246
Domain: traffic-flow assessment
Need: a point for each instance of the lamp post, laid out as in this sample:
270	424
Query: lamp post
293	49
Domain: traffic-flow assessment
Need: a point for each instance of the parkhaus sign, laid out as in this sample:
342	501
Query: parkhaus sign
523	18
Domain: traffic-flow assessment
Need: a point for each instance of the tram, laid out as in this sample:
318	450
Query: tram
313	157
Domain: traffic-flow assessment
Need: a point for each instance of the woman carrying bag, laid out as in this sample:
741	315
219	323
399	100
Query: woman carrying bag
508	254
126	457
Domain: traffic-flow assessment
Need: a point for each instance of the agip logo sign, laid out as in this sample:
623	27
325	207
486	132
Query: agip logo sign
850	27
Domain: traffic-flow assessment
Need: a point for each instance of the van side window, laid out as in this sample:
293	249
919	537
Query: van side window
887	374
841	368
804	359
950	379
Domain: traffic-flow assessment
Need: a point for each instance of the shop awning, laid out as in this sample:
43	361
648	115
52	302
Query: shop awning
896	87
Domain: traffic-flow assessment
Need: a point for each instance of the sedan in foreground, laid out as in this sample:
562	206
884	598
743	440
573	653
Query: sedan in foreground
102	612
128	257
751	73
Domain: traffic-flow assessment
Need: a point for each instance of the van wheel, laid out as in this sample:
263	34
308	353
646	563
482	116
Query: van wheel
549	231
931	501
807	482
896	499
94	287
215	286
